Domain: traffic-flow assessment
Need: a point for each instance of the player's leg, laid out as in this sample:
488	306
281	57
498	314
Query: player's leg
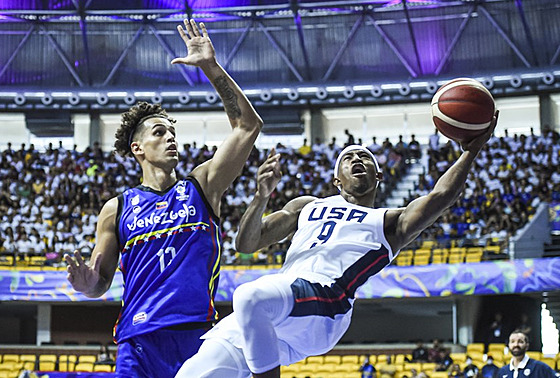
259	306
216	358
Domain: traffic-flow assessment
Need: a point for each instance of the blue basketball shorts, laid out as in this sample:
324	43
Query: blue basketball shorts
157	354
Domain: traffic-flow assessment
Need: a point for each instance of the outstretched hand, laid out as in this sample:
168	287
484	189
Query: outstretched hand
200	50
269	174
81	276
476	144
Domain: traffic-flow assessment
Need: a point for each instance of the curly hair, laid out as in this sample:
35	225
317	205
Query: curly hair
130	121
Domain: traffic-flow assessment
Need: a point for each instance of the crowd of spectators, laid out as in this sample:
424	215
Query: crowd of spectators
49	200
510	178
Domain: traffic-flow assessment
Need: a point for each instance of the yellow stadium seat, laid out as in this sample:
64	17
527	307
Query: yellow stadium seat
496	347
413	365
308	368
332	359
428	367
87	358
315	360
10	358
458	358
84	366
421	260
493	249
67	362
473	255
535	355
438	374
399	359
423	252
294	368
475	347
47	366
351	358
428	244
456	255
102	367
404	258
439	256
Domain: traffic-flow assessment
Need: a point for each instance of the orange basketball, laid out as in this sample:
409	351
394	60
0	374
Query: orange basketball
462	109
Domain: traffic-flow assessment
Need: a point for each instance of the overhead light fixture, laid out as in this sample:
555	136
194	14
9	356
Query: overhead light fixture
488	82
20	99
293	94
184	98
376	91
157	99
47	99
515	81
321	93
266	95
432	87
348	92
548	78
102	99
74	99
129	99
211	97
404	89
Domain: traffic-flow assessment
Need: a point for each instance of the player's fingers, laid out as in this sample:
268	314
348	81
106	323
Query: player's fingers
195	30
204	31
70	277
189	28
178	60
272	152
78	257
182	33
70	261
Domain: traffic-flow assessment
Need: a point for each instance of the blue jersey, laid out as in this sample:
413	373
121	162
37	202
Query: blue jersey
170	258
532	369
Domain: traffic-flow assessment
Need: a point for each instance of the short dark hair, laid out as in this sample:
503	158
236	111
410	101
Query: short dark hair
131	119
519	330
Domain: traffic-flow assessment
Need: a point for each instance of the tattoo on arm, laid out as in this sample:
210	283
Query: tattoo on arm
229	98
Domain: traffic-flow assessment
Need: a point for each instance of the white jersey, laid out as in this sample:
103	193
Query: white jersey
332	236
335	249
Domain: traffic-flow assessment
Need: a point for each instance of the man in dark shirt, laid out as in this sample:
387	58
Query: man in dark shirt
521	366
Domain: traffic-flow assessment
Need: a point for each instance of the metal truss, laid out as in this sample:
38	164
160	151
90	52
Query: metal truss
395	28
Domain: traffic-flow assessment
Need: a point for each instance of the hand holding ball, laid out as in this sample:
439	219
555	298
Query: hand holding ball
463	109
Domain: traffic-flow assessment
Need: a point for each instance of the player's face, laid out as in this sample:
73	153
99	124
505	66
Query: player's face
357	172
158	141
518	344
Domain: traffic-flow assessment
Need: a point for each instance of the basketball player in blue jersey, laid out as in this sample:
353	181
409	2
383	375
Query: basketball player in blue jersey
166	231
339	242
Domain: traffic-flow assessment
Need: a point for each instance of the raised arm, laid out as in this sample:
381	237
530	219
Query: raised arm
256	232
218	173
403	225
94	280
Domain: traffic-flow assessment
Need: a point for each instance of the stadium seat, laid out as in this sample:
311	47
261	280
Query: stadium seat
439	256
87	358
458	358
102	368
351	358
47	362
535	355
456	255
10	358
315	360
404	258
67	362
84	366
428	367
422	259
473	255
475	347
332	359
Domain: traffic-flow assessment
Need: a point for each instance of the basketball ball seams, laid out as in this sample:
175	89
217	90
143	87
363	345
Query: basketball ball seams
462	109
463	125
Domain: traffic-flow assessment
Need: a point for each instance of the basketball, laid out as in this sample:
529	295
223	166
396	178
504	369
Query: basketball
462	109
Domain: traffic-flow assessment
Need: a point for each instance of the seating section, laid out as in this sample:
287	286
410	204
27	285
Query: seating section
327	366
11	365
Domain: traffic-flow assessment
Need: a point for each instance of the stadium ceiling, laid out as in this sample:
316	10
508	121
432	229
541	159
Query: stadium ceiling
82	54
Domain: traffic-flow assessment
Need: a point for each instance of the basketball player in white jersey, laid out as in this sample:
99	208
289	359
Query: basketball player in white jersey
339	242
